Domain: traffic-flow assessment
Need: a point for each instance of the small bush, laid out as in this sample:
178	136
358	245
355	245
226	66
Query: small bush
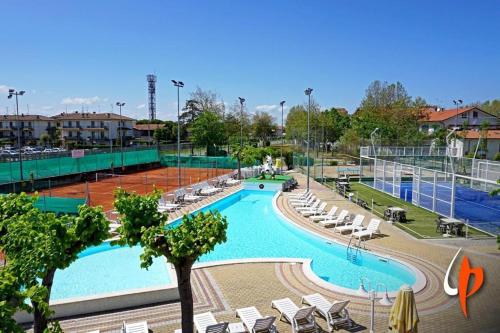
497	157
334	163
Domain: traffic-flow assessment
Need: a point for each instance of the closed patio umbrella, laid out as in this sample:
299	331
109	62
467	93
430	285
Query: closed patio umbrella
404	317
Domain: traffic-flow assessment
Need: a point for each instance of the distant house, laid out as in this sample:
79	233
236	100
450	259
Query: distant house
471	137
144	132
31	127
433	118
93	127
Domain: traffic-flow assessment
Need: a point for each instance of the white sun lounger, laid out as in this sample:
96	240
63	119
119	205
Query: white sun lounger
303	203
314	211
371	229
139	327
357	223
301	199
314	205
329	216
254	322
206	323
335	313
302	320
335	221
299	195
232	182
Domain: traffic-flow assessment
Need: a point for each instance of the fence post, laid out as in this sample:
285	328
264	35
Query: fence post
452	199
372	205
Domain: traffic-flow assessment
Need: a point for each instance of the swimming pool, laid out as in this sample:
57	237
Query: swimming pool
106	269
255	230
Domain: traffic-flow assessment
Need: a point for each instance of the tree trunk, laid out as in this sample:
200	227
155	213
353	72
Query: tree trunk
183	272
239	166
40	321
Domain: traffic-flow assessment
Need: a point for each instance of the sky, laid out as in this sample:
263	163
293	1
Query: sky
74	55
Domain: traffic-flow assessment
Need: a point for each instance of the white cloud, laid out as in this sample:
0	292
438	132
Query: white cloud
4	89
82	100
269	108
48	107
141	106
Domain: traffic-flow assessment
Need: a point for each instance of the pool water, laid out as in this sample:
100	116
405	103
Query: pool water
107	269
255	230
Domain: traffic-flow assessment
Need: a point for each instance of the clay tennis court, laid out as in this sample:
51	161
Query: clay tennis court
99	186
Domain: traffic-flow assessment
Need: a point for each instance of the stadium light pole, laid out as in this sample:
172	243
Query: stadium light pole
457	103
13	92
178	84
282	103
120	105
308	92
242	101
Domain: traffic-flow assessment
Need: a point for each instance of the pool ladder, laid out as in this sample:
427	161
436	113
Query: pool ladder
352	255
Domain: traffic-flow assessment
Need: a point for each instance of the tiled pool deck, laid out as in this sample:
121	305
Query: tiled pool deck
225	288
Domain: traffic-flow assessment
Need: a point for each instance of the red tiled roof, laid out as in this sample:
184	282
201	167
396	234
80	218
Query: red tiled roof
491	134
146	127
88	115
434	116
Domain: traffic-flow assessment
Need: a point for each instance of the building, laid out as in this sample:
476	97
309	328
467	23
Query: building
434	118
144	132
490	137
31	128
93	128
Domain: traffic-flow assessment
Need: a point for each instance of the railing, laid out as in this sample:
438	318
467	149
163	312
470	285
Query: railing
402	151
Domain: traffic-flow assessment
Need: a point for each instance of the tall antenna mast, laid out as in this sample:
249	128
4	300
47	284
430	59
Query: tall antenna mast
152	96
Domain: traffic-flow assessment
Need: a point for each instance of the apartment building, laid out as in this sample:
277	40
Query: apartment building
448	118
31	127
92	127
76	127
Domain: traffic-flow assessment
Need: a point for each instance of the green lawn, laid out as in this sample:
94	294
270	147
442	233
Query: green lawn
421	222
278	179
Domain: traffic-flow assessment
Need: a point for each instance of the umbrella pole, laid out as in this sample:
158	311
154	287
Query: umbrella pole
372	312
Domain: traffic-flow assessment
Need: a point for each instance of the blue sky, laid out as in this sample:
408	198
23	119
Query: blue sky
69	53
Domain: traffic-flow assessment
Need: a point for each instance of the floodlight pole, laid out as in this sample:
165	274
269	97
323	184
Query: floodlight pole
178	84
308	92
120	105
282	103
13	92
242	101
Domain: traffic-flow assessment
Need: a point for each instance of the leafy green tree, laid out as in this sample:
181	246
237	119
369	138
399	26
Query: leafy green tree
181	245
208	131
296	123
36	244
263	127
165	133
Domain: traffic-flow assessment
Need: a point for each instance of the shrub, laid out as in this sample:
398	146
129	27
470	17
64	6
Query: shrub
334	163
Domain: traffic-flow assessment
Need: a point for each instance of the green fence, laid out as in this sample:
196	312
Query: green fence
210	162
66	165
59	205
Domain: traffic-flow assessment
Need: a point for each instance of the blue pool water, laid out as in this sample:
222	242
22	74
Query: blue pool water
106	269
255	230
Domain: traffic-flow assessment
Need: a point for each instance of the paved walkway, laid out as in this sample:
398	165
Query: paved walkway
227	288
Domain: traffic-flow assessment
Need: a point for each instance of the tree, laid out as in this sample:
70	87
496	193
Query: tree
181	245
263	127
207	131
36	244
44	139
389	108
296	123
165	133
201	101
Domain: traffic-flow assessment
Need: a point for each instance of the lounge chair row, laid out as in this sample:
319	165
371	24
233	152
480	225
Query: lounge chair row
196	192
309	206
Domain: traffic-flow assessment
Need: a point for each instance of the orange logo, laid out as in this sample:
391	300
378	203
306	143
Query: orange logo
463	281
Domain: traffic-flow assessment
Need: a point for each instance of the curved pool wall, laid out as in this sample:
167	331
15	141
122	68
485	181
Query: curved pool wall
257	231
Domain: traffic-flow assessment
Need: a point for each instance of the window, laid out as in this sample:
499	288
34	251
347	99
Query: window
102	124
77	123
92	124
474	114
1	124
102	135
70	124
29	123
70	134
